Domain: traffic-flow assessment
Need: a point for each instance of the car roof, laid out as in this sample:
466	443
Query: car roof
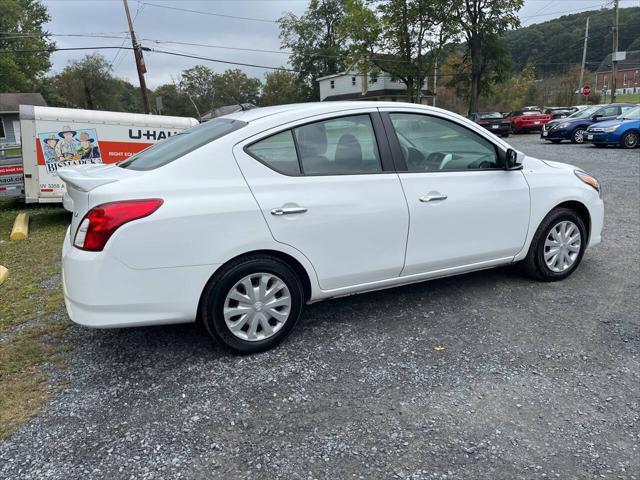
318	108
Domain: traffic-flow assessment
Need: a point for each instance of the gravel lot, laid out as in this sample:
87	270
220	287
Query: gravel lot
535	380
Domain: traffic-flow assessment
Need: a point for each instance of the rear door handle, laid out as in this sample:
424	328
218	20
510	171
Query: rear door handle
288	210
433	197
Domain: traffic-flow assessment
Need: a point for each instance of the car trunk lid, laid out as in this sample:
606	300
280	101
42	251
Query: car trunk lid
82	180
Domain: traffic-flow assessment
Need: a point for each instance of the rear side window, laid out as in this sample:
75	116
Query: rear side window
176	146
338	146
278	152
345	145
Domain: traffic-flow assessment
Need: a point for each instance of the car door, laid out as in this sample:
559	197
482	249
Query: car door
327	188
465	210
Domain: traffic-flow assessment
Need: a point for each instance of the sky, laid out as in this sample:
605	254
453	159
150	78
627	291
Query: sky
160	21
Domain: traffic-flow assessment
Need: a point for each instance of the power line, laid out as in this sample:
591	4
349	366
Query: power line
212	14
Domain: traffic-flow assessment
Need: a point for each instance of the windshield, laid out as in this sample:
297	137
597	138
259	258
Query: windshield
587	112
490	115
631	114
180	144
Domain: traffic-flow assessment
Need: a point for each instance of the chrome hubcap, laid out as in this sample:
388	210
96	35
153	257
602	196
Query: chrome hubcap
631	140
579	136
257	307
562	246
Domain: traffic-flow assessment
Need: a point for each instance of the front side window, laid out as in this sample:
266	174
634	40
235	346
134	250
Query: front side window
338	146
608	111
178	145
432	144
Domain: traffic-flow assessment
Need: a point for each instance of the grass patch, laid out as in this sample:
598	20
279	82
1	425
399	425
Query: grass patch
31	332
631	98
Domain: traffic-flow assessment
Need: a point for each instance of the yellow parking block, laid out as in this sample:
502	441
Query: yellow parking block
20	229
4	273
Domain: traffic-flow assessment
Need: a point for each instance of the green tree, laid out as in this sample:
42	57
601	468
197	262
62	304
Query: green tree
234	86
314	40
207	90
401	37
280	88
21	22
198	84
174	101
481	23
87	83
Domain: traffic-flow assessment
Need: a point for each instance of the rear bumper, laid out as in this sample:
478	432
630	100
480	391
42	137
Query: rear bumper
102	292
501	130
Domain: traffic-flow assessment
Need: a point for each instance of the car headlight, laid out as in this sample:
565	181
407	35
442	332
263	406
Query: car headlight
589	180
564	125
610	129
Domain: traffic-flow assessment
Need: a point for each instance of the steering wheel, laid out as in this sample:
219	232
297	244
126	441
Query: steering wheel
482	162
435	160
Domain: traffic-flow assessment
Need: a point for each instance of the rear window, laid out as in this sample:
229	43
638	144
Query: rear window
176	146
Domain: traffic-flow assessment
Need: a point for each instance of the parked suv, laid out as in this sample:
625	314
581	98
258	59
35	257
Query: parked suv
574	126
243	220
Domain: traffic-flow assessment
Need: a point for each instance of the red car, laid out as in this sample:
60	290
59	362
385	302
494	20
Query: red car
527	120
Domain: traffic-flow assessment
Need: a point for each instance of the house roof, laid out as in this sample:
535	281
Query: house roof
631	62
10	102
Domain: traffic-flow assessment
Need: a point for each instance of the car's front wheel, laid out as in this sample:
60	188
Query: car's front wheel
557	246
630	140
577	136
252	304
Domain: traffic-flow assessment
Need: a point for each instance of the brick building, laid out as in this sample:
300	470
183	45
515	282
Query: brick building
628	76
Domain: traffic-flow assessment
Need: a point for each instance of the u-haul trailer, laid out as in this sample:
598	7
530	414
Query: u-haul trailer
65	137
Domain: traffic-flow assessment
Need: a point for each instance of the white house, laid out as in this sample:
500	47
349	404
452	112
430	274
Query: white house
352	85
9	118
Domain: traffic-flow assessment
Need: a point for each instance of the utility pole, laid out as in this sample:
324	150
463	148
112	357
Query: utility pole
584	58
614	55
435	81
139	60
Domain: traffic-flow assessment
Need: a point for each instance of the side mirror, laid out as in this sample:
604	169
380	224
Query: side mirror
512	160
597	116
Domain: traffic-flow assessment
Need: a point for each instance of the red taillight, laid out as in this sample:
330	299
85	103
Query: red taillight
100	222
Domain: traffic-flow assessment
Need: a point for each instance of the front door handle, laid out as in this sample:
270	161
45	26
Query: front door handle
287	210
433	197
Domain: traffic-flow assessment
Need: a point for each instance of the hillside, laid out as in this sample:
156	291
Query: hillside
556	45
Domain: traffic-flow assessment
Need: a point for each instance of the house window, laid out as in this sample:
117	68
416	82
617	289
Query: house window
353	81
373	80
624	78
2	134
332	84
606	81
635	77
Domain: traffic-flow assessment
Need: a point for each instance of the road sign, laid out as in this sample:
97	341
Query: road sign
586	90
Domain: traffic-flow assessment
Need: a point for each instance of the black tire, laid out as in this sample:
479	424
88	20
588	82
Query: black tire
534	264
555	140
505	135
577	135
631	140
215	293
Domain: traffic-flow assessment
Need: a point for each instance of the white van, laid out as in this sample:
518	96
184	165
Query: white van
66	137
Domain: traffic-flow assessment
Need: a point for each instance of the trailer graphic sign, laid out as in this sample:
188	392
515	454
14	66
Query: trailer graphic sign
69	148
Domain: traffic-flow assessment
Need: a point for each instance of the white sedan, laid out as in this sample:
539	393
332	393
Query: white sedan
243	220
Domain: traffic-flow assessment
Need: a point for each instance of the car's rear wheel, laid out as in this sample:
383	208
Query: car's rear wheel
577	136
557	246
252	304
630	140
